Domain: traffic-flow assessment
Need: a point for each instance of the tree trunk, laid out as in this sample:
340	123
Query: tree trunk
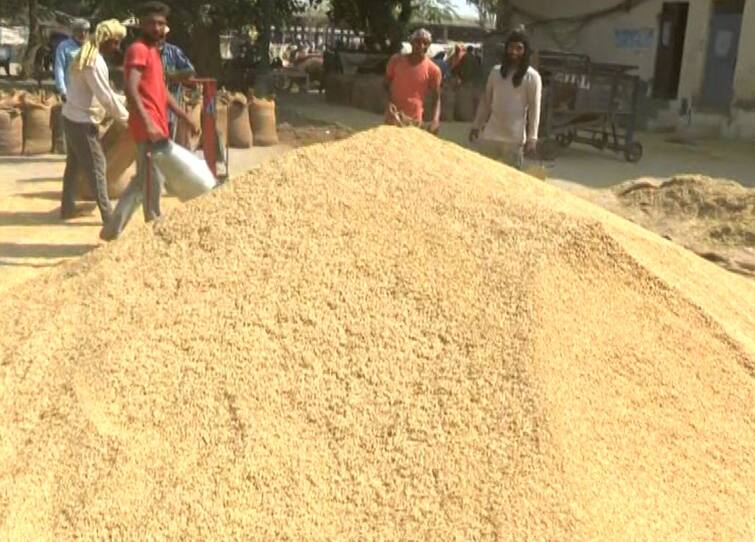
263	85
33	44
503	15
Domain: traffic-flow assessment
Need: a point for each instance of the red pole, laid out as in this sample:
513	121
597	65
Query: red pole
209	133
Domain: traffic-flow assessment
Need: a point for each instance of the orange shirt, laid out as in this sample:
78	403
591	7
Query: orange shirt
410	84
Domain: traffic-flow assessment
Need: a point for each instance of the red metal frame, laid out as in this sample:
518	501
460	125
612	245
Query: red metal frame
209	131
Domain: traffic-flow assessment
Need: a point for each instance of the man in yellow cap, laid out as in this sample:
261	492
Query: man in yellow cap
89	92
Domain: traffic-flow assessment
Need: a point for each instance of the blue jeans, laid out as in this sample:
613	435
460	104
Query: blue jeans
145	188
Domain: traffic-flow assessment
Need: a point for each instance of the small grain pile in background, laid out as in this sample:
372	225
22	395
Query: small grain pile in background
363	342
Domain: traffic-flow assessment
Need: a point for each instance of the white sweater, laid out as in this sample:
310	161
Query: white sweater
88	89
504	108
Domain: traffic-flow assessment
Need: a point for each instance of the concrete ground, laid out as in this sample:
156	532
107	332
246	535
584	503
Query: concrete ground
580	164
32	236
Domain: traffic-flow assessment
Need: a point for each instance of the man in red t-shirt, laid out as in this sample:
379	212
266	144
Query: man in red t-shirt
409	78
149	101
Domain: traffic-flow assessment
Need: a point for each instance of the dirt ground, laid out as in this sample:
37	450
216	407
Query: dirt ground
33	238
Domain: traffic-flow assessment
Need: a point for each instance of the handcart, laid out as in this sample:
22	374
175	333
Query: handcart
588	102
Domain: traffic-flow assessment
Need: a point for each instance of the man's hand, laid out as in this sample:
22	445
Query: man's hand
530	148
153	134
474	135
63	98
194	127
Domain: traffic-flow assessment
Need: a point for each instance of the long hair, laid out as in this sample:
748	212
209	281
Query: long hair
517	37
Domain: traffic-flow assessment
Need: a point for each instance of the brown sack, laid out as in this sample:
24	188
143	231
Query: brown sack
338	88
193	107
11	131
221	116
120	153
37	124
467	97
239	127
262	115
448	104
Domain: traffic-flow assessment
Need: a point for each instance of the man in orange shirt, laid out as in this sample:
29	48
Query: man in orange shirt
409	78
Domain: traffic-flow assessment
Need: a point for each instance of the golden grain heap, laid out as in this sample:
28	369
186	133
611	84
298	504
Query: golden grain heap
384	338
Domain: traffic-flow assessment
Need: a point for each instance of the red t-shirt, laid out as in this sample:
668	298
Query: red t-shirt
152	89
410	84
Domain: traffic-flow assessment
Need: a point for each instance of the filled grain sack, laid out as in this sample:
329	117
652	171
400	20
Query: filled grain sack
11	131
120	153
222	100
264	128
465	107
313	67
448	104
339	87
239	128
186	175
192	105
359	92
38	127
378	94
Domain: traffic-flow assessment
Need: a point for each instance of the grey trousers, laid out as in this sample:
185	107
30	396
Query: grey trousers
84	152
511	154
145	188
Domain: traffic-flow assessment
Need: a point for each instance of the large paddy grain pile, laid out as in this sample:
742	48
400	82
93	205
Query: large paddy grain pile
384	338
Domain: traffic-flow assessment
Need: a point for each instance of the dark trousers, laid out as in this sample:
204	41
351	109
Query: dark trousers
84	153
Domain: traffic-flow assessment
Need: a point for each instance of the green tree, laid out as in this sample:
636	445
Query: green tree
503	10
386	22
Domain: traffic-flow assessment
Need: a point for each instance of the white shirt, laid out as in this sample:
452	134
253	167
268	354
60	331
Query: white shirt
89	92
510	114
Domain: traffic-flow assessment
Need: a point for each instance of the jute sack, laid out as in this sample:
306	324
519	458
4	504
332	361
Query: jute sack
120	153
378	95
193	107
448	104
222	100
38	127
239	127
11	131
467	97
338	88
264	127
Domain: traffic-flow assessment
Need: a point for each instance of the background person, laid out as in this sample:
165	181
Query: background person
409	78
510	109
88	92
65	52
149	101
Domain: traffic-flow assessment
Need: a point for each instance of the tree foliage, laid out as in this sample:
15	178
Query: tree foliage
386	22
502	10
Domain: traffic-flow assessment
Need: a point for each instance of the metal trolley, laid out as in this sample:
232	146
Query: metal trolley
587	102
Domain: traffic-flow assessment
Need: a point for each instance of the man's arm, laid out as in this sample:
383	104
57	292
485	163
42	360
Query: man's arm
534	100
132	93
435	81
181	113
484	109
98	80
59	70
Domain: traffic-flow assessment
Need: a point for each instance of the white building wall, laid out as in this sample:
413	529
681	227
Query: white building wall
631	37
625	37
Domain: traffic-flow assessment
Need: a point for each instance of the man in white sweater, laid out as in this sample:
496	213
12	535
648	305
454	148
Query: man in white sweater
509	112
89	92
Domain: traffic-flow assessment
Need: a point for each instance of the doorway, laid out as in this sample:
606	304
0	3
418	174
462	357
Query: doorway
668	60
723	47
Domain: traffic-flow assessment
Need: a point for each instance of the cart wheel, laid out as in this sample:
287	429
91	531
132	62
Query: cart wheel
633	153
564	140
548	149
